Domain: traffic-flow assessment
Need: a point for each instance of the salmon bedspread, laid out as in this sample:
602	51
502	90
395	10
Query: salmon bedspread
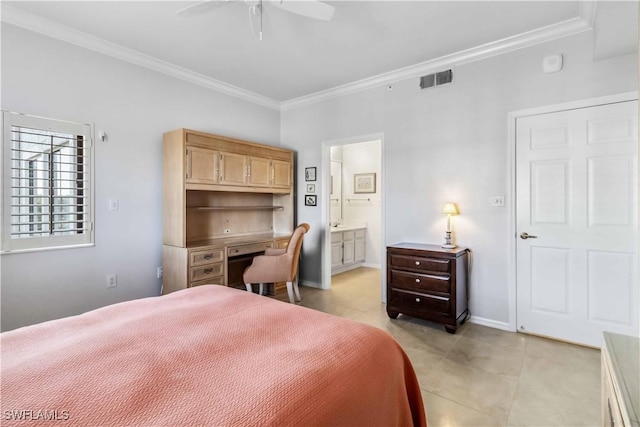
206	356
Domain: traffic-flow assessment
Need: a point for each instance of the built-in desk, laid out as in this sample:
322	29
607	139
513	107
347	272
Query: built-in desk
216	261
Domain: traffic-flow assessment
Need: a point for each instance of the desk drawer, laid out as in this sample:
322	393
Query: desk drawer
419	263
248	249
206	272
206	256
420	282
417	302
213	281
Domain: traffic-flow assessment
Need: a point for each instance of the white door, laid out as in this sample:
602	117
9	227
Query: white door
576	187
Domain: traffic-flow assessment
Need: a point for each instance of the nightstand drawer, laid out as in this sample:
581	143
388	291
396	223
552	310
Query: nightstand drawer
420	282
420	263
206	272
206	256
413	301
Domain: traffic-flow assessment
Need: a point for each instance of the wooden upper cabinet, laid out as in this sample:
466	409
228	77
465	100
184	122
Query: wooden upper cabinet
202	165
215	163
281	174
233	169
259	172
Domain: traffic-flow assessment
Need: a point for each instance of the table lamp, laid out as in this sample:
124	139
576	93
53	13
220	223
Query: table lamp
449	209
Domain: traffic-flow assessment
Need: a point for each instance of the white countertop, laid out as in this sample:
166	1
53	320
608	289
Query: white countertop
347	228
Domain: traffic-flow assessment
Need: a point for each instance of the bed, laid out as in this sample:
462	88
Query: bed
206	356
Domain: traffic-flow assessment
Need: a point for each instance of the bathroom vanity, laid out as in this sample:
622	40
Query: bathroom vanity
347	247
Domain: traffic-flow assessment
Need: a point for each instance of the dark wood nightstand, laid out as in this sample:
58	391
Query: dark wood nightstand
428	282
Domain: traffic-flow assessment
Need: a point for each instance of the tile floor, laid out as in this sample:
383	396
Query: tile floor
480	376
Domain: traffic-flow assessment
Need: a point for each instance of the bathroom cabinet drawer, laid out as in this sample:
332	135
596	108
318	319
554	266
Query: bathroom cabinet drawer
429	282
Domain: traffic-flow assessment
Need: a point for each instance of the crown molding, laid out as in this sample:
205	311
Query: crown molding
52	29
519	41
19	18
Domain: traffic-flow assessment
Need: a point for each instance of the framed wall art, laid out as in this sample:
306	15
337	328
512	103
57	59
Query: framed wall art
310	174
364	183
310	200
311	188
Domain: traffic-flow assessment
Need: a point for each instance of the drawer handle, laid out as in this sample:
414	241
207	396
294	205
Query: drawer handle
208	270
208	256
417	280
417	299
417	262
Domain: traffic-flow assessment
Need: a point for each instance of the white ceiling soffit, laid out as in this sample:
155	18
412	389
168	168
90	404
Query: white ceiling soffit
52	29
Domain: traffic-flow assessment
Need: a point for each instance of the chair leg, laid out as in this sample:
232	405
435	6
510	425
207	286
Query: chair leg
296	289
290	292
248	285
261	291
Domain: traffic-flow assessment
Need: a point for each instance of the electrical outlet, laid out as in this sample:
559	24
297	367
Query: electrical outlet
159	273
497	201
113	204
112	280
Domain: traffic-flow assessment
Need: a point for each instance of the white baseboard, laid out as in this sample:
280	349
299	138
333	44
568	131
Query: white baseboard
370	265
490	323
310	284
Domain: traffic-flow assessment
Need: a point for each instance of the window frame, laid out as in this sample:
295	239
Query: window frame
49	242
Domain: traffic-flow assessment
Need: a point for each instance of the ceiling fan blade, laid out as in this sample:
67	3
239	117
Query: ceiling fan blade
309	8
201	7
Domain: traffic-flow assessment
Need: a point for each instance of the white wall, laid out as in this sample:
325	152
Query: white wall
134	106
364	157
450	144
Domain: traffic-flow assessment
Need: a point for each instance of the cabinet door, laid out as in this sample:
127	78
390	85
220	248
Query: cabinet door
348	251
336	254
233	169
202	165
359	253
259	171
281	174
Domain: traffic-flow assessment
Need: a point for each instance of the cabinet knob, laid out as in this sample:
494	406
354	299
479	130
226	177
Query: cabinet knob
417	299
208	270
208	256
417	280
417	262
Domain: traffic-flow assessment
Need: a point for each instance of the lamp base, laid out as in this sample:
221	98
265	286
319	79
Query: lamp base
447	241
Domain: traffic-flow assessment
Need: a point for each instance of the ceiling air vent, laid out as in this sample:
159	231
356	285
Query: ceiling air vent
436	79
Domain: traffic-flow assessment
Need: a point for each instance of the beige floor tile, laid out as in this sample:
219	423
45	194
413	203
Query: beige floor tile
480	375
486	392
447	413
488	356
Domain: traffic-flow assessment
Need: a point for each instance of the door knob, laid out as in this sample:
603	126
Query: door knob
525	236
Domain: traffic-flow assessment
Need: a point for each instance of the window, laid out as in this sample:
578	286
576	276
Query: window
47	183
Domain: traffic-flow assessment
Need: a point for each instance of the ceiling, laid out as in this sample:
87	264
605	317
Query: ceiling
299	56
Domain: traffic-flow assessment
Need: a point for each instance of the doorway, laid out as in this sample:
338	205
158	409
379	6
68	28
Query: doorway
353	206
576	240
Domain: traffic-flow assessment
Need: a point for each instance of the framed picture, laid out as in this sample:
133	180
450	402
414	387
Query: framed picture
310	174
311	188
310	200
364	183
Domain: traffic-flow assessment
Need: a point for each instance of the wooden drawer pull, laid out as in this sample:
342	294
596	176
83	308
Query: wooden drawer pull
208	270
208	256
417	262
417	299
